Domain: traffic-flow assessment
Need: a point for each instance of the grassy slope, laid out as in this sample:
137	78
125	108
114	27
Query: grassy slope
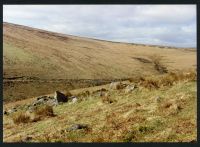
46	55
43	54
119	121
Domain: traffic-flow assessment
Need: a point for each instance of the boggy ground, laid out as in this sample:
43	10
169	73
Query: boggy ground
160	109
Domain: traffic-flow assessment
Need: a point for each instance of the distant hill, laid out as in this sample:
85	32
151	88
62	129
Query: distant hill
37	62
35	53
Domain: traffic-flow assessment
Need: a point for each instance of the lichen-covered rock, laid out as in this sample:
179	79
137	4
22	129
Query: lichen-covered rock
52	102
38	102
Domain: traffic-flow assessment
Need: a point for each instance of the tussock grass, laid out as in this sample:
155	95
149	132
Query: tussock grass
168	79
20	117
150	83
39	113
44	111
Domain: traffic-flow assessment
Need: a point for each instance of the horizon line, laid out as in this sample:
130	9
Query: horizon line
131	43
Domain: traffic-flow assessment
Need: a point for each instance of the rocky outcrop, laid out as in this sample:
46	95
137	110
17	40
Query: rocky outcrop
60	97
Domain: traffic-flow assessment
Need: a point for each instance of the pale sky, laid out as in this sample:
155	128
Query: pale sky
171	25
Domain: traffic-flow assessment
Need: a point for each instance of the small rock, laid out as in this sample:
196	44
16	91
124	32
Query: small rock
38	102
77	127
74	100
60	97
41	101
129	88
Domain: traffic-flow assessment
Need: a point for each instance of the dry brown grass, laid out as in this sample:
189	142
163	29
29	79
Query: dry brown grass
119	86
170	108
20	117
174	77
106	98
85	93
168	79
150	83
39	113
167	104
44	111
130	119
68	94
135	79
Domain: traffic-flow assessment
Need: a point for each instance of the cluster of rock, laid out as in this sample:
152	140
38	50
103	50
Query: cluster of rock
59	97
55	100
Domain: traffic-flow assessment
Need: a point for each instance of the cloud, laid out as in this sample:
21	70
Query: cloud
173	25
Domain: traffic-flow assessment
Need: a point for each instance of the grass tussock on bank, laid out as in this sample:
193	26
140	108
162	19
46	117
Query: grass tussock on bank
20	117
44	111
168	79
38	114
